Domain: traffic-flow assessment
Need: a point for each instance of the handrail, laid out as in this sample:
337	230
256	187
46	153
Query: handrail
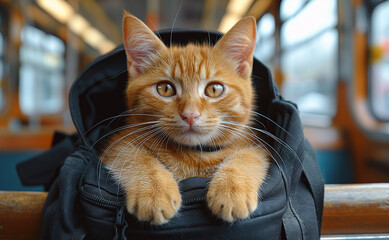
356	209
21	214
348	209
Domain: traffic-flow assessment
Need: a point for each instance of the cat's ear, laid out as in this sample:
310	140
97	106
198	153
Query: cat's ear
140	43
238	45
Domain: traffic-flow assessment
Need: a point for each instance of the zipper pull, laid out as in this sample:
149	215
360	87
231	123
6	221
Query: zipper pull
120	224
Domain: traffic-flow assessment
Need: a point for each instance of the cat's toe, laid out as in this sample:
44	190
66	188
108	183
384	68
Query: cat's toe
165	209
232	209
162	216
156	202
231	203
157	210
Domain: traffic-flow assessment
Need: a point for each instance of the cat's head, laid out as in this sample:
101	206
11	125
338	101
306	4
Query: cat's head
194	94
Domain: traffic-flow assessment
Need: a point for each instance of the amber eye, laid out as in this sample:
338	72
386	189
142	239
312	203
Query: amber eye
214	90
166	89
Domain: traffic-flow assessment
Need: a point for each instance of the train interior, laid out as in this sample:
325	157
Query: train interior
330	57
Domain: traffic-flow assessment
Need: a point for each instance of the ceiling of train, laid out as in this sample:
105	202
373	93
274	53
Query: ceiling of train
98	22
190	13
107	14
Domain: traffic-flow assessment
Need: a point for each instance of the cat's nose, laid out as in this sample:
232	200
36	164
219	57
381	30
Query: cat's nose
190	117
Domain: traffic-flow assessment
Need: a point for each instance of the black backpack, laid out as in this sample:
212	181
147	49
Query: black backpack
85	203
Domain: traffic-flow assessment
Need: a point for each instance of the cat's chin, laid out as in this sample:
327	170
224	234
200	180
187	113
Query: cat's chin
192	139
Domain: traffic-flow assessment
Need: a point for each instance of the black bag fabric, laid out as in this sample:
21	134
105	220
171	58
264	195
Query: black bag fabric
85	203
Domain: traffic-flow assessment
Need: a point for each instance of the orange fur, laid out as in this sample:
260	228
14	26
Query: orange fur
155	151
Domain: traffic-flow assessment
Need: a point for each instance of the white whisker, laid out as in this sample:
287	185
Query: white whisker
261	144
137	147
269	119
102	156
278	140
121	129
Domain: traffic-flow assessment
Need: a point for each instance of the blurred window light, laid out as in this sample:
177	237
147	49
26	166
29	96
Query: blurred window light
309	60
59	9
2	44
228	22
290	7
65	14
266	26
2	81
315	17
379	62
93	37
78	24
266	44
96	39
41	74
106	46
235	11
308	78
239	7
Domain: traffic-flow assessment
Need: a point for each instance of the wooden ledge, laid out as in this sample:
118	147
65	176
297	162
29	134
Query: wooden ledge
348	209
21	214
356	209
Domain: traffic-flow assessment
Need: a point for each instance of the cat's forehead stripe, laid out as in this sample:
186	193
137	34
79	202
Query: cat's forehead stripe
192	62
203	72
210	74
177	71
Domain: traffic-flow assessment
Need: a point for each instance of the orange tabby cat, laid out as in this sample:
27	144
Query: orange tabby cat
182	98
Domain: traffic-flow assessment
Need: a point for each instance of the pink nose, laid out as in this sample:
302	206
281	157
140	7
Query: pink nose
190	117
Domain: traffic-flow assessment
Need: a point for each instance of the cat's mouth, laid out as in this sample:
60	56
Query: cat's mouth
198	133
192	137
192	130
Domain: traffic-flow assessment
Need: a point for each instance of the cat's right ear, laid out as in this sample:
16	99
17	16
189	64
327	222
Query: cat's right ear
238	44
140	43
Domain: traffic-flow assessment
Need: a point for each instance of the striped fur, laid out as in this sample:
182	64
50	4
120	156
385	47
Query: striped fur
153	152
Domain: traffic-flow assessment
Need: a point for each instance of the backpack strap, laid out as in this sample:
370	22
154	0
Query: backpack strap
44	168
293	225
316	183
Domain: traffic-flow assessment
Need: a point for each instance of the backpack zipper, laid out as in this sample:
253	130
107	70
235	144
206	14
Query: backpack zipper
194	200
48	220
100	201
120	224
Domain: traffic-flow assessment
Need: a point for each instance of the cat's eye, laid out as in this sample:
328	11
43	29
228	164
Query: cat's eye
214	90
166	89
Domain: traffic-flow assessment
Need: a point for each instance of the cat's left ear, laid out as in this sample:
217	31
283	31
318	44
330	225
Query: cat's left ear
238	45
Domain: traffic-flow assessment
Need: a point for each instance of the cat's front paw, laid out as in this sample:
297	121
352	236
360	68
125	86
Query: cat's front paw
155	198
231	198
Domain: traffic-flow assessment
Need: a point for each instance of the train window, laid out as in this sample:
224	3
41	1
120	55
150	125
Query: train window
309	60
289	8
3	23
379	62
41	86
266	43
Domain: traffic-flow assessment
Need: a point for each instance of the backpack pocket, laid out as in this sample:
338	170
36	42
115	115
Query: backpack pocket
101	199
106	216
